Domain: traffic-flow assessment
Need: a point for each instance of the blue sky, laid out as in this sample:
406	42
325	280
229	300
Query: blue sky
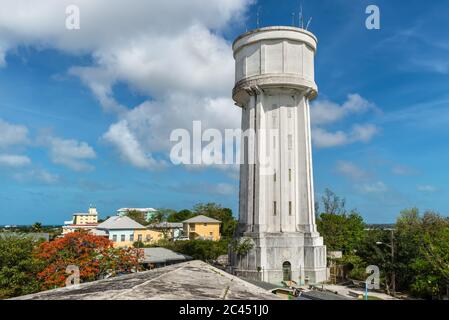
85	115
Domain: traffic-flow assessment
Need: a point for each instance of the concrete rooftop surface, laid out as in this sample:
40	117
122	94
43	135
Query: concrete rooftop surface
193	280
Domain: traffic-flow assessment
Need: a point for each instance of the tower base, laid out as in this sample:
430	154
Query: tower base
277	257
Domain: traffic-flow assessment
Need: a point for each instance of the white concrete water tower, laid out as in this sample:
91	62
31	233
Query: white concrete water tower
273	86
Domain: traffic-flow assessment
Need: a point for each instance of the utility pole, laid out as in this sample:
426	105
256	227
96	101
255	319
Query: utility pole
393	273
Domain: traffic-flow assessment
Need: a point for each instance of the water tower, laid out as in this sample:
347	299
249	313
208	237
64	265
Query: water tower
274	82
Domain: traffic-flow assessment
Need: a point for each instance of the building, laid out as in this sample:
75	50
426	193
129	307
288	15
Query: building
124	231
202	227
147	212
273	86
172	230
161	257
81	221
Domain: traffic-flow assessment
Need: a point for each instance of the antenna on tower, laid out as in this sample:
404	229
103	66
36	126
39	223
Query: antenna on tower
300	16
293	19
258	17
308	23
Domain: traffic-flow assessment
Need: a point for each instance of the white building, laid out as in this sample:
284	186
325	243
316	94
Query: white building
274	84
147	212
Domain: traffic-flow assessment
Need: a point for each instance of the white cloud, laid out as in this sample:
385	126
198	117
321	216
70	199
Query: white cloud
350	170
224	189
326	112
39	175
427	188
359	133
129	147
69	152
401	170
11	134
172	52
376	187
12	160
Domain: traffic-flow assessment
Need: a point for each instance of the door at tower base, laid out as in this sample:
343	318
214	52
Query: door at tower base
271	252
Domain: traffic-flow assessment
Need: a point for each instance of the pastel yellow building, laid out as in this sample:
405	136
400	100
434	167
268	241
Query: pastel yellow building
148	236
202	227
86	218
81	221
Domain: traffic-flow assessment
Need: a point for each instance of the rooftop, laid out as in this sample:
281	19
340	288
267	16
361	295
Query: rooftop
193	280
168	225
136	209
201	219
163	255
120	223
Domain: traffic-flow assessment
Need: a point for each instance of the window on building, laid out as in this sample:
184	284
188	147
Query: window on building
274	207
122	238
139	238
131	237
192	227
114	238
205	224
289	208
148	237
290	141
211	233
274	177
289	174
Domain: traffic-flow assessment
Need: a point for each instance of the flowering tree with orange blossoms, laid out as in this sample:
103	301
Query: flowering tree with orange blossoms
95	257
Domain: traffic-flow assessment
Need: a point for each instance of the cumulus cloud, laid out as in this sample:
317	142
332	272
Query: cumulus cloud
129	147
359	133
172	52
327	112
12	134
402	170
39	175
12	160
70	153
350	170
427	188
375	187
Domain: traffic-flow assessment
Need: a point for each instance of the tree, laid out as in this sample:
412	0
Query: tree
95	257
161	215
137	216
216	211
36	227
206	250
341	232
18	267
180	216
332	203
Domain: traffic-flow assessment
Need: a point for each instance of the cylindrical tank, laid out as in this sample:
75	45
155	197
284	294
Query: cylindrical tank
274	56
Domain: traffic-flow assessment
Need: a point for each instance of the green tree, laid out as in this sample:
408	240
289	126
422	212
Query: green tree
180	216
341	232
137	216
36	227
18	267
206	250
161	215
